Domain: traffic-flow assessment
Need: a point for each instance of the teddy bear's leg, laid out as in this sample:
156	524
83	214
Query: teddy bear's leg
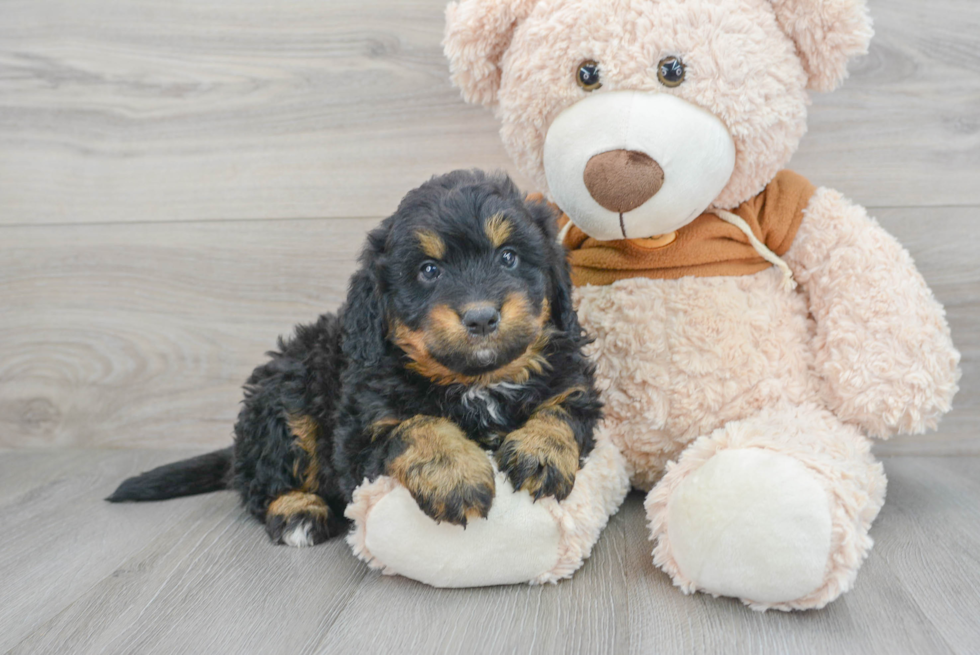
773	510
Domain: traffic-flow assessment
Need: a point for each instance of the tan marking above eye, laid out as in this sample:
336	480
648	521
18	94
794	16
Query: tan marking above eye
498	229
431	243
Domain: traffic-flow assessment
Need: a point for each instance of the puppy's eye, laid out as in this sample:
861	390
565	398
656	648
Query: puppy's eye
587	75
429	271
508	258
671	71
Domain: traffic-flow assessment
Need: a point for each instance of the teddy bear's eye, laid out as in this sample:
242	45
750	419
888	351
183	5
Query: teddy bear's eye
588	75
670	71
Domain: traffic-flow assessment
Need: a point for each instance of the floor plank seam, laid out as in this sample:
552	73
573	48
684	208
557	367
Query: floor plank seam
200	221
232	220
946	455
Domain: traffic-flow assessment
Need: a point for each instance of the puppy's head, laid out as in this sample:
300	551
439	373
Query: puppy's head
466	278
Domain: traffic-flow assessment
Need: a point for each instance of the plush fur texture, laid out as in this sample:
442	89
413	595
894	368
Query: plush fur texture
743	60
827	33
695	159
863	345
695	367
689	355
677	359
883	351
458	336
498	552
751	523
837	454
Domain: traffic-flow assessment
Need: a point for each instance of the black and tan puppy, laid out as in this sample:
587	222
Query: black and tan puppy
458	336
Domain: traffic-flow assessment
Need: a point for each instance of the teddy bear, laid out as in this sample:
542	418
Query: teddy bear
752	332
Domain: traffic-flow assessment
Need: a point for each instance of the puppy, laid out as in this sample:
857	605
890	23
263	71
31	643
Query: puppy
458	337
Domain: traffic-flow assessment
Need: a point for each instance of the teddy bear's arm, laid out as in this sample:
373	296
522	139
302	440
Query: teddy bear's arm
882	345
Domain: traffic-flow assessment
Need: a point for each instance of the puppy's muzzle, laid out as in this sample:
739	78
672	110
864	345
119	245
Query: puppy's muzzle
481	321
622	180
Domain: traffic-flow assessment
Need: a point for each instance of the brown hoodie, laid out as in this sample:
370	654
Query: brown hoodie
706	247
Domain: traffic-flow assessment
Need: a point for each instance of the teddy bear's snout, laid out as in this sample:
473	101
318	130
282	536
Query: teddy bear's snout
622	180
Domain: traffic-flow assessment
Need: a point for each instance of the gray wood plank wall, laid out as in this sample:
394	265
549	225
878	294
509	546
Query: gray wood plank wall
183	180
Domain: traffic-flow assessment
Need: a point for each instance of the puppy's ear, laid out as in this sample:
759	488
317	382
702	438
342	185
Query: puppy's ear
478	33
364	314
544	216
827	33
562	312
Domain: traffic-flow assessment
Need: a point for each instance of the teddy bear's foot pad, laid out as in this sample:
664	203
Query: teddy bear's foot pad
520	541
751	524
516	542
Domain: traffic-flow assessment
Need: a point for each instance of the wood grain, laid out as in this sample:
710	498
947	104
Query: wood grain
197	575
142	334
927	535
583	615
158	110
60	538
904	130
214	584
163	110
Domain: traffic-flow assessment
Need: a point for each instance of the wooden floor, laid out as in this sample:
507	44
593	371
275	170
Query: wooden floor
183	180
197	575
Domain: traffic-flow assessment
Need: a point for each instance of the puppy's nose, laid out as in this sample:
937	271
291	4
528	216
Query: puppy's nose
481	321
622	180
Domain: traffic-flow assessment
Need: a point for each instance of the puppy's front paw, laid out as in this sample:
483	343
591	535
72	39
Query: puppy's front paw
300	519
541	458
448	475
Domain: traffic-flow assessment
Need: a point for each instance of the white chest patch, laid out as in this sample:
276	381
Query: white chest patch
483	401
479	399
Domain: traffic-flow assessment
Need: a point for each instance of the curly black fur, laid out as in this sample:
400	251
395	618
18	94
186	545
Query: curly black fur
346	373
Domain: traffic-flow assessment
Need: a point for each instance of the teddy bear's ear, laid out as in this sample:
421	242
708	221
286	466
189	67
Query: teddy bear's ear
478	33
827	33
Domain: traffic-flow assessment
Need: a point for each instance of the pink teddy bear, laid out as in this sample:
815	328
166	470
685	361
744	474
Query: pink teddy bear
753	332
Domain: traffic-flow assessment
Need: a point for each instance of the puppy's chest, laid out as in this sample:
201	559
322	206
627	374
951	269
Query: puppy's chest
487	414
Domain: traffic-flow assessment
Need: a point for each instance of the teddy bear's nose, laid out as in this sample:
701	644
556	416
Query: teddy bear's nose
622	180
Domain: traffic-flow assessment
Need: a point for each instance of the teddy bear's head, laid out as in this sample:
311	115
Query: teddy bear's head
637	115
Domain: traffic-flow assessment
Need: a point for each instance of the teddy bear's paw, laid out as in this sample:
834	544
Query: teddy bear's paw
541	461
751	524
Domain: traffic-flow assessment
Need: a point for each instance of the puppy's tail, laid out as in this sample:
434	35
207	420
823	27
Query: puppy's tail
197	475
